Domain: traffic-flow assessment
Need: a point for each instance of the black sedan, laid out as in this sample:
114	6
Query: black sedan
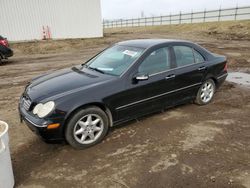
5	51
123	82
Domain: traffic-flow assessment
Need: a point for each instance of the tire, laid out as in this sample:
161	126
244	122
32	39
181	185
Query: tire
87	127
206	92
1	62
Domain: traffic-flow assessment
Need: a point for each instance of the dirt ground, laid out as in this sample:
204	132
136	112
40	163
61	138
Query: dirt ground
186	146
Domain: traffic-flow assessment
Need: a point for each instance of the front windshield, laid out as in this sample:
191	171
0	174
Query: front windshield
115	60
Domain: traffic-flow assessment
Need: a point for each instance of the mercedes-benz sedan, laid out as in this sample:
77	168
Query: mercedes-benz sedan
125	81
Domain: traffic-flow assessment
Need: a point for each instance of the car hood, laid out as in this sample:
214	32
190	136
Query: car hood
63	82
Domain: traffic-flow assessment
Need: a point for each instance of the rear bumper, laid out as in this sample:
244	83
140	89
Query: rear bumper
6	52
9	54
221	79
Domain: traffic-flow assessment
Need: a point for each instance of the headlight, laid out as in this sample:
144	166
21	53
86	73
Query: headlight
42	110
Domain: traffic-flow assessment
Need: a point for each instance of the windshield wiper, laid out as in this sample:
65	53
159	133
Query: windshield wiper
96	69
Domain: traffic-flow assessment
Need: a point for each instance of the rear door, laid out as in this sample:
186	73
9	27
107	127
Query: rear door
190	69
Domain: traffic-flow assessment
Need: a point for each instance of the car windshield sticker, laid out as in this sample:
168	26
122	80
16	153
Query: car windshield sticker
130	53
105	69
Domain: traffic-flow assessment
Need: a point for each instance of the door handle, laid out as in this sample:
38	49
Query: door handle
202	68
170	77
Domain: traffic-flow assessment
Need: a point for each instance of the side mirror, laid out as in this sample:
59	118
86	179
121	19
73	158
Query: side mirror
142	77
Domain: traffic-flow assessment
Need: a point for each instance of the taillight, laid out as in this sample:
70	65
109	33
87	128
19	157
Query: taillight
4	43
225	67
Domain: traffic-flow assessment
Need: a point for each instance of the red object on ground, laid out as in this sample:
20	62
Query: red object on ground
48	33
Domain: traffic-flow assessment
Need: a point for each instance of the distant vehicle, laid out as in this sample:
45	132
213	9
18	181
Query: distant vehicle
126	81
5	51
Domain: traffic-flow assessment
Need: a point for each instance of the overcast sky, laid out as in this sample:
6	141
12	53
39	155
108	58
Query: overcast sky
116	9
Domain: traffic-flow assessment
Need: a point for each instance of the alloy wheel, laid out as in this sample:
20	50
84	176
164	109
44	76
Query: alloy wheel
88	129
207	92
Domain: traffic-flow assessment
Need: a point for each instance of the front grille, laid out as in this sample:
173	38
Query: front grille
26	104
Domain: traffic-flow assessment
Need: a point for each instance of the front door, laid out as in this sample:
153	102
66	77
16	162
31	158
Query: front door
145	96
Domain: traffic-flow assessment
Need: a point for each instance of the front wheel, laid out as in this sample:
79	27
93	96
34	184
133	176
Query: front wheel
1	59
206	92
87	127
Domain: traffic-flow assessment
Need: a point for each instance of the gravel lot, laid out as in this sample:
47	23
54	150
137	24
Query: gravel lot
186	146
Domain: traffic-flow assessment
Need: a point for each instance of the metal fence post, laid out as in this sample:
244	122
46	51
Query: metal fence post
204	17
180	18
132	22
170	19
219	14
192	16
236	12
161	20
153	20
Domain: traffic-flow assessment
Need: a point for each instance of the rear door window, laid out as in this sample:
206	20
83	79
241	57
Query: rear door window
198	57
184	55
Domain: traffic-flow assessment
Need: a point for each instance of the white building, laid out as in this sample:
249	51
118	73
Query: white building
33	19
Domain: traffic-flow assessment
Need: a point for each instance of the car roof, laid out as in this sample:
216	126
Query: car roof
147	43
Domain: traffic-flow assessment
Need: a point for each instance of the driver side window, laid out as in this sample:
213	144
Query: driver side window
157	61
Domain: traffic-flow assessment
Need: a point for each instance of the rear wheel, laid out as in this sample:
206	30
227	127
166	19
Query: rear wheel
206	92
87	127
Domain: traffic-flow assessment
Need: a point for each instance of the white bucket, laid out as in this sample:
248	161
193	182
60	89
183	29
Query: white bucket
6	172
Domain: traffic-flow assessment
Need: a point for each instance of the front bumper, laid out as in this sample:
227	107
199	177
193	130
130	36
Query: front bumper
39	126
